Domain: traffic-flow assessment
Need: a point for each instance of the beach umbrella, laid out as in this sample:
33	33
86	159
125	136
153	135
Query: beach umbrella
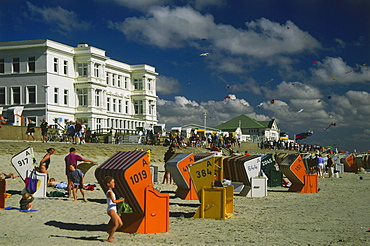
85	166
284	138
329	147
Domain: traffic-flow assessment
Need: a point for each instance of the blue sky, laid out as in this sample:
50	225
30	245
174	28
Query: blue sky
306	55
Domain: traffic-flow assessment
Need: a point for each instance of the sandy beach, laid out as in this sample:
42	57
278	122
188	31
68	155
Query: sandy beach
333	216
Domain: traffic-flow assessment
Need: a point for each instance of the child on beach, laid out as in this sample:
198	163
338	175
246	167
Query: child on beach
76	177
115	221
26	201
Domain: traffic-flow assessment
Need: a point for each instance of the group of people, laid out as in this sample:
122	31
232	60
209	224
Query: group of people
288	145
321	168
77	133
75	181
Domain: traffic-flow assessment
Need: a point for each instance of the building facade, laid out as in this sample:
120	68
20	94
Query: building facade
46	79
248	129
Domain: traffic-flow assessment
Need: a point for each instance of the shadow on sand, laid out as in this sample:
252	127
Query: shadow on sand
76	227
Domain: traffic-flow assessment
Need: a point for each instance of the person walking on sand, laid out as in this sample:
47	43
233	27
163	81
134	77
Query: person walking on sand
70	131
115	221
72	158
44	130
167	156
320	165
31	130
76	177
330	166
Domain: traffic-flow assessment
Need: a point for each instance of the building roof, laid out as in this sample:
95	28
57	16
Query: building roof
245	123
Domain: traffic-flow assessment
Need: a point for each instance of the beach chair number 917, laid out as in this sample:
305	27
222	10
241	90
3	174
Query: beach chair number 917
23	162
136	178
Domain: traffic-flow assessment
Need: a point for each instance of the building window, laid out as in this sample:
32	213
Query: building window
119	106
113	79
119	80
97	98
56	94
65	67
98	123
97	70
2	95
126	107
151	106
65	97
82	69
16	95
107	78
82	97
31	94
16	65
114	104
138	84
126	81
2	66
31	64
108	104
56	65
149	85
138	106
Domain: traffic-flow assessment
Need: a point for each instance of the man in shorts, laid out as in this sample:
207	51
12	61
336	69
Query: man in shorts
30	130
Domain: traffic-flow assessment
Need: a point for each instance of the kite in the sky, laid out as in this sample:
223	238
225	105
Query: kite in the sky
268	82
259	106
300	111
314	63
350	71
331	124
227	97
204	39
272	101
204	54
303	135
227	87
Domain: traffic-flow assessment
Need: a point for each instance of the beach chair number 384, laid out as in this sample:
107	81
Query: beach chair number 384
203	173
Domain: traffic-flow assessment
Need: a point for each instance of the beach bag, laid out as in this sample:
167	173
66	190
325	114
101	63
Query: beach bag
32	183
123	208
56	193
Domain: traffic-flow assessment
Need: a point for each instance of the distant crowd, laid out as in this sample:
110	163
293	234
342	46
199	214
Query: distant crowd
289	145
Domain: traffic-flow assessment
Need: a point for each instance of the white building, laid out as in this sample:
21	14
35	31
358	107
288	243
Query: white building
61	83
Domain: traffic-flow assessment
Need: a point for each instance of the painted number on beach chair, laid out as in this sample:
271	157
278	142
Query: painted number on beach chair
298	167
136	178
23	162
250	168
203	173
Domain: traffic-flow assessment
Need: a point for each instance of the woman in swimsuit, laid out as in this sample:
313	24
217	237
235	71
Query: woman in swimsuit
45	162
115	221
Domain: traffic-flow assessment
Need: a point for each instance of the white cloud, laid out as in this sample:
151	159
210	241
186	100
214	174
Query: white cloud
333	70
182	111
292	90
167	27
62	20
167	85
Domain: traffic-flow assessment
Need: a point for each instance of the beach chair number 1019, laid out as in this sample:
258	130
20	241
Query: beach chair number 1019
136	178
